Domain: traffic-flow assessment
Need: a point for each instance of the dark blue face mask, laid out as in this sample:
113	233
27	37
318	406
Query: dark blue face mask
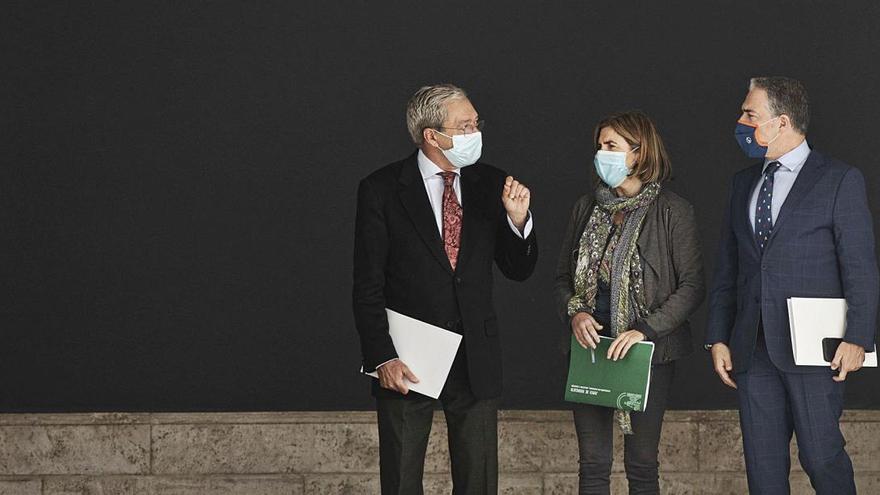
746	137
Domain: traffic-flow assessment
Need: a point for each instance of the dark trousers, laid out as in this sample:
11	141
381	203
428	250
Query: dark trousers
472	424
772	405
595	431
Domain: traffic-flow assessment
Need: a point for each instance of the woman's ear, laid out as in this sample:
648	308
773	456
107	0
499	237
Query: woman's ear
636	158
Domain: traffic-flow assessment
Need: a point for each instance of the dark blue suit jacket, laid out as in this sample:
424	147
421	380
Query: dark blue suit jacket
822	245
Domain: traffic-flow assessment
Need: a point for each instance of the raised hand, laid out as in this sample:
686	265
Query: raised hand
515	199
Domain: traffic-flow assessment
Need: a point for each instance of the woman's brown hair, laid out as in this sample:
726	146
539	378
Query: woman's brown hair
652	164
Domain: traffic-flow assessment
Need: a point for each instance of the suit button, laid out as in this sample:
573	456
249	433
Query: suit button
458	280
764	267
450	325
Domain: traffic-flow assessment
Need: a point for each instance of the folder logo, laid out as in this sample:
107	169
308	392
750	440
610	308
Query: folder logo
630	402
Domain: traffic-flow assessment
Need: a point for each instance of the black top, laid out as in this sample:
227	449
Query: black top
602	312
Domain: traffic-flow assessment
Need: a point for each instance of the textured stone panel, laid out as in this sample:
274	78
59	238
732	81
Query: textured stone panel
265	448
149	485
20	487
98	449
720	445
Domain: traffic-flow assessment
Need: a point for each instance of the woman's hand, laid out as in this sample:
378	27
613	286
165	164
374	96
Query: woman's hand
586	330
623	342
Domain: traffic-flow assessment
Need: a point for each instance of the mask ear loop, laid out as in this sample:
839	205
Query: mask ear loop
444	135
634	163
759	126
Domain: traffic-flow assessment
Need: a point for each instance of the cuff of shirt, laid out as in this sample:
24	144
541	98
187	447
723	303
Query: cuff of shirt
386	362
526	230
642	326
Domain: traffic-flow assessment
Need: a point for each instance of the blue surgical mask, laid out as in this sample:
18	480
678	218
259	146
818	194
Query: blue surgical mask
747	138
466	149
611	166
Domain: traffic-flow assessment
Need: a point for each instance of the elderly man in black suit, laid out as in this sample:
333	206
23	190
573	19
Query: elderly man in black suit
428	230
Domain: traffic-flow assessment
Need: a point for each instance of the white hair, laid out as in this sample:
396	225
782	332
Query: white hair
427	108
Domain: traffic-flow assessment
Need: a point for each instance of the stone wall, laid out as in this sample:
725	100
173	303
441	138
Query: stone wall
337	452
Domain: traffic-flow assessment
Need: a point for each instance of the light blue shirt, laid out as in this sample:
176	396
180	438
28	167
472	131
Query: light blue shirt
783	180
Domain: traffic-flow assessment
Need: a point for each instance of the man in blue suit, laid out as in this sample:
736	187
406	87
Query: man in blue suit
797	225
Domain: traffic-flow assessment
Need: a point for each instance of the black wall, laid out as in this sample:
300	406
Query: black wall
177	183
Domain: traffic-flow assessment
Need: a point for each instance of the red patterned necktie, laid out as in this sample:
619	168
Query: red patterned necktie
451	218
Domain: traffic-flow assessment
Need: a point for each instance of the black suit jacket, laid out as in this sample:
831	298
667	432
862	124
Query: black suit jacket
400	263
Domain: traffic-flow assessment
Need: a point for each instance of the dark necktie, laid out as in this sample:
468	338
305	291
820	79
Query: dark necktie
451	218
764	207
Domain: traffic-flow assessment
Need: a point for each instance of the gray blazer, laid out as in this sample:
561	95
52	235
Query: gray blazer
673	271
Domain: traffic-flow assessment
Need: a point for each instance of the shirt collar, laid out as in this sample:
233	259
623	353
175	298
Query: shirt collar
428	168
794	159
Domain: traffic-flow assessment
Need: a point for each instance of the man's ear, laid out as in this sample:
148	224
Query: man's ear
784	121
429	138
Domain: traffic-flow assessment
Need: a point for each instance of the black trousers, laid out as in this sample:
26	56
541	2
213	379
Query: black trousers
472	424
595	431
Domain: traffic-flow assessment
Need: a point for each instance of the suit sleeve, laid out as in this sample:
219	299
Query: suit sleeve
723	296
687	263
854	241
515	256
368	298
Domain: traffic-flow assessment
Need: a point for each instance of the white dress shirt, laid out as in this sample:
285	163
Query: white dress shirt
434	187
783	180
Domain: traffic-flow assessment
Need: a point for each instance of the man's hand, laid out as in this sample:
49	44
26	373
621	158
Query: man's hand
723	363
848	358
515	199
585	330
623	342
394	375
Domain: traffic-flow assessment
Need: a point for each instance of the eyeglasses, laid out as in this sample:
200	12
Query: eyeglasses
468	128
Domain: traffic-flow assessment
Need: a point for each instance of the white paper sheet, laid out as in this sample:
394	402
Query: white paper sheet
813	319
427	350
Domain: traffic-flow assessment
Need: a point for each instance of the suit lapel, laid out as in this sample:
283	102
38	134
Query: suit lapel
415	201
803	184
471	218
743	202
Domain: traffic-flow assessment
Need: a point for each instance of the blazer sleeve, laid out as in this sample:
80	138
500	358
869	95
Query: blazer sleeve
687	264
563	287
516	257
722	295
368	298
854	241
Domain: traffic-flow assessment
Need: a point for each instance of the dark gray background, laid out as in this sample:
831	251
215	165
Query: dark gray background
178	179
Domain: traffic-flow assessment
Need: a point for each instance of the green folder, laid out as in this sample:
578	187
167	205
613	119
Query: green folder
595	379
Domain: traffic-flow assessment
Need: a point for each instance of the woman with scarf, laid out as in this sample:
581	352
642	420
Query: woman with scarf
630	268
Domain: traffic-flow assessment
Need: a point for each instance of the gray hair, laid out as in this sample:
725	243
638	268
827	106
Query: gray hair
427	108
786	96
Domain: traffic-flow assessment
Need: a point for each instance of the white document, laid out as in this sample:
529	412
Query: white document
813	319
427	350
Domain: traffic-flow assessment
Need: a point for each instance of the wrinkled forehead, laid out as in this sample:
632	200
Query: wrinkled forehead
460	111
